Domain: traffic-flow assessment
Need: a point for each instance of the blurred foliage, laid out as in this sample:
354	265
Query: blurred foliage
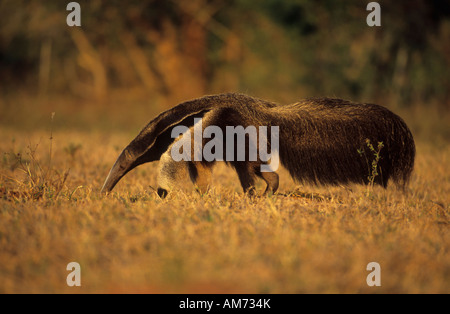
175	50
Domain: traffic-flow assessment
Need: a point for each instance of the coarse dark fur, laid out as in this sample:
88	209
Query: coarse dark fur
321	141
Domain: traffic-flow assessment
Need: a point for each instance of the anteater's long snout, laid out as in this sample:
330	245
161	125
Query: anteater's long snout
121	167
111	181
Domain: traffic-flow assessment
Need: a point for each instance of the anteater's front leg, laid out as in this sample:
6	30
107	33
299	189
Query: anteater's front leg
246	174
271	179
200	173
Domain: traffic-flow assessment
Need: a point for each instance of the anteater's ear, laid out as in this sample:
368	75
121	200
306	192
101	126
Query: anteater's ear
151	142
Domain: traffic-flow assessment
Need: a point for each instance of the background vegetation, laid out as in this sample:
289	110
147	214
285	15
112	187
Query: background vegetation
129	61
158	53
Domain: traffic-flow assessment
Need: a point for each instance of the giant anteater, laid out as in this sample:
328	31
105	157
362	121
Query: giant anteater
321	141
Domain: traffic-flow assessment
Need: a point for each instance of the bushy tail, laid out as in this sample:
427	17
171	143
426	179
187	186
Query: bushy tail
402	162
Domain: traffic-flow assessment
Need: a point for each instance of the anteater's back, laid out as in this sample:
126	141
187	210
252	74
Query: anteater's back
326	142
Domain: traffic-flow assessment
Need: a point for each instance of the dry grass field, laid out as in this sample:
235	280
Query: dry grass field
303	240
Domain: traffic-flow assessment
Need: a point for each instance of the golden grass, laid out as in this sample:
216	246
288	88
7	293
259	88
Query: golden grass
304	240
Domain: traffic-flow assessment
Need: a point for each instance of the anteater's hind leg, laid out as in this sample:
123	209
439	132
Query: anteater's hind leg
200	174
272	181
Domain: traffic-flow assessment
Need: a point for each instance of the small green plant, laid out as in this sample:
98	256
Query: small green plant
372	165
